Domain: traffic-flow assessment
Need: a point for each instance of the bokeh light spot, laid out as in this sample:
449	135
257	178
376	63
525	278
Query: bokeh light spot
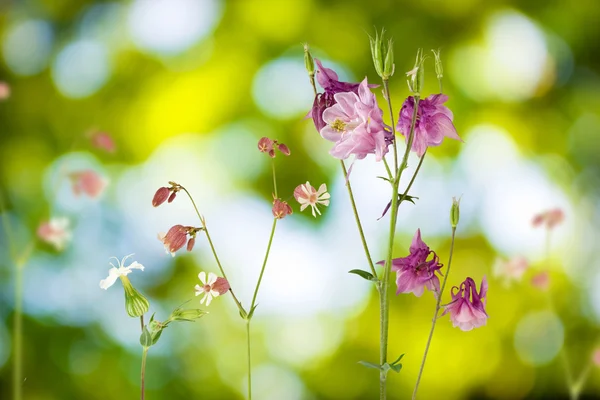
539	337
27	46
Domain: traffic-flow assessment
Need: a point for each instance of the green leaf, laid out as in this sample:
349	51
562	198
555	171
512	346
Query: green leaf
384	178
251	313
363	274
407	198
396	367
370	365
398	359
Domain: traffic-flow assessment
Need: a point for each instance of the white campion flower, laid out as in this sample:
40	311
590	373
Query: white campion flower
307	195
212	287
120	271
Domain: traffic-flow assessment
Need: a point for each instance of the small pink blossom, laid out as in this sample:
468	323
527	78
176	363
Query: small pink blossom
103	141
307	195
281	209
510	270
467	309
266	145
212	286
596	357
55	232
414	273
88	182
550	218
4	91
355	125
434	122
541	280
177	237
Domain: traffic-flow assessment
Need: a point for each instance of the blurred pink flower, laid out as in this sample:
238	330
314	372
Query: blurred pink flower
88	182
307	195
55	232
103	141
596	357
212	287
467	309
355	125
541	280
510	270
4	90
434	122
414	273
550	218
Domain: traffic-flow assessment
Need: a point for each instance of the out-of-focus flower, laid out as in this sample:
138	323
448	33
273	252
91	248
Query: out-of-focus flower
596	357
434	122
281	209
414	273
467	309
103	141
55	232
119	271
355	124
4	90
307	195
541	280
177	237
266	145
510	270
550	218
212	287
88	182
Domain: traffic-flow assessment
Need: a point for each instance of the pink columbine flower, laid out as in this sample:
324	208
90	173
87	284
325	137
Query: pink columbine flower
307	195
414	273
212	287
434	122
55	232
550	218
355	125
103	141
467	309
541	280
4	90
88	182
596	357
510	270
281	209
177	237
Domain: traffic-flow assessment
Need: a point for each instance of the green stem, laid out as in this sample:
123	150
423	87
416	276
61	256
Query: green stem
214	251
274	178
435	316
262	270
357	218
143	374
383	288
249	360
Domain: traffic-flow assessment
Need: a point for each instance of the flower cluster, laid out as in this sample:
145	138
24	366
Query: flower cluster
177	237
266	145
166	194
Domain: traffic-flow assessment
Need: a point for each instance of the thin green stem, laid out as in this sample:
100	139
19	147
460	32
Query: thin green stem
143	373
262	270
389	171
383	289
274	179
214	251
249	360
435	316
358	223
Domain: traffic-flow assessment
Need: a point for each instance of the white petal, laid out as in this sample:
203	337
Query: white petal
136	265
202	277
199	290
214	293
303	207
324	196
203	299
113	274
322	189
324	202
208	299
212	278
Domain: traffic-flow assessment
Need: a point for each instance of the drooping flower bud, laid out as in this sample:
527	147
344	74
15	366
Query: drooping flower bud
135	303
172	197
284	149
175	238
190	243
281	209
455	212
161	195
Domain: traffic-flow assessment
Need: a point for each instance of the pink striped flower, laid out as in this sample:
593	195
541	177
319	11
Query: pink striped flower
88	182
467	309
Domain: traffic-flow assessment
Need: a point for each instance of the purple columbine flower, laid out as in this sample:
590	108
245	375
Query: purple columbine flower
355	125
414	273
329	81
434	122
467	309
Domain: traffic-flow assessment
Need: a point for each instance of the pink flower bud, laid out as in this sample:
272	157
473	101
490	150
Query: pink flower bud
190	244
161	195
596	357
265	145
175	238
541	280
284	149
221	285
272	153
281	209
172	196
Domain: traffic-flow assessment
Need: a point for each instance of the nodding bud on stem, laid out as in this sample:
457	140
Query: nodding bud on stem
161	195
172	197
416	76
309	63
191	243
455	212
383	55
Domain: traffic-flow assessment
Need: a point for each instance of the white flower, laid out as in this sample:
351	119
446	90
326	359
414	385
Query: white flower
121	270
307	195
207	287
56	232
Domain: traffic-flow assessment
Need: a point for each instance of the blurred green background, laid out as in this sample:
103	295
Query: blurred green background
187	87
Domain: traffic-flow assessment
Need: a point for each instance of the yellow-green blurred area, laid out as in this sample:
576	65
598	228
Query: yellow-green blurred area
187	87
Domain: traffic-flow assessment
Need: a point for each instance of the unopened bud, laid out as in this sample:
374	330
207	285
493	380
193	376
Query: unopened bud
455	212
377	52
189	315
388	66
439	69
190	243
161	195
172	196
416	76
309	63
135	303
175	238
284	149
